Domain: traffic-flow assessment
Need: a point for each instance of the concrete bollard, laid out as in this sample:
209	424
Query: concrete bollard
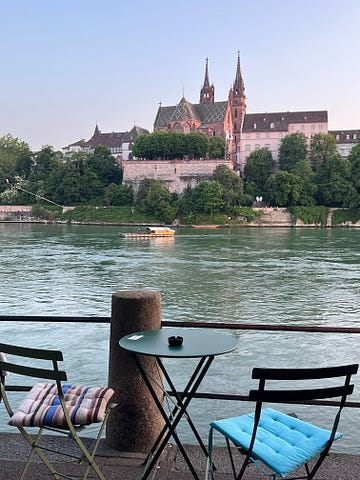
135	423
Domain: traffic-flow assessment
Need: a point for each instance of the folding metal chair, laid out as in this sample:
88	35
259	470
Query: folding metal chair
55	407
277	443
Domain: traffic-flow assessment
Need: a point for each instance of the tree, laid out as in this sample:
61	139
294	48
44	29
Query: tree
103	164
118	195
196	145
354	159
259	166
233	186
24	164
44	161
143	189
283	189
293	149
334	183
11	149
139	148
157	201
322	147
308	187
165	145
216	147
208	197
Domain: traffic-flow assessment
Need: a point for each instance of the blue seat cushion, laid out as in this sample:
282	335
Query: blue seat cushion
283	442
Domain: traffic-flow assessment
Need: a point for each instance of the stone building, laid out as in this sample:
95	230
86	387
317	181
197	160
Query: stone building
346	140
266	130
224	119
209	117
119	143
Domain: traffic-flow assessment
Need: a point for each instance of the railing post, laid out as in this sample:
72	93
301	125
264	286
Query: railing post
135	423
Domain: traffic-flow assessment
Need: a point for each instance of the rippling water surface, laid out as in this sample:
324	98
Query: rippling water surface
245	275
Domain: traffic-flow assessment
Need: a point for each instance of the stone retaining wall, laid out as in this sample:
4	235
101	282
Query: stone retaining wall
280	217
176	174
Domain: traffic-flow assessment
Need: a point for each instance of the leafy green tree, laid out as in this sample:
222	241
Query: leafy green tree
176	145
308	187
158	202
208	197
197	145
139	148
24	164
322	147
103	164
187	204
233	187
44	161
259	166
354	159
216	147
335	187
283	189
293	149
143	189
11	149
165	145
65	182
118	195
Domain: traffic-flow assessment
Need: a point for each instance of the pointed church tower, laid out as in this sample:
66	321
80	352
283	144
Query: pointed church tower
207	93
96	131
238	106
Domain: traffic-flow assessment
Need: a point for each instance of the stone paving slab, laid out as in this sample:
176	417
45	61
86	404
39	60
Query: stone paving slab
129	466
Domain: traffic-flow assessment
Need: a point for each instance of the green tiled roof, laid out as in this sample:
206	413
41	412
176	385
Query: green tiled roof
202	112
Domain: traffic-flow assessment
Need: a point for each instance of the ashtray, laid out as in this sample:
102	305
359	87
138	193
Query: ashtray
175	341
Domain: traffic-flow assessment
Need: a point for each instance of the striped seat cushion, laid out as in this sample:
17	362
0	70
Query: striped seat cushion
42	407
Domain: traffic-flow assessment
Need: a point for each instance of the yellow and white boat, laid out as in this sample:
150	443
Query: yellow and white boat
151	232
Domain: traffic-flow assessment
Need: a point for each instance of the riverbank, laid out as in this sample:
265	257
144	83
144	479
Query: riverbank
252	217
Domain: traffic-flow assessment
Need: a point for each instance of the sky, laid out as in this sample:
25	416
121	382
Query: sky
67	65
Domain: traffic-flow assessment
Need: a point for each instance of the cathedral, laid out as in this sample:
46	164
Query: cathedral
224	119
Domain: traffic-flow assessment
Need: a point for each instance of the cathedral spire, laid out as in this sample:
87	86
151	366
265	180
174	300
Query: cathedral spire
237	100
206	81
239	87
207	93
96	131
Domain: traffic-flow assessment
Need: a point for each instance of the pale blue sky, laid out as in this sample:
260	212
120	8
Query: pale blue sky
69	64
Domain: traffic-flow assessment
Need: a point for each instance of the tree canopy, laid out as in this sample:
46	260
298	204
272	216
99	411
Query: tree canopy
171	145
321	177
259	166
322	147
293	149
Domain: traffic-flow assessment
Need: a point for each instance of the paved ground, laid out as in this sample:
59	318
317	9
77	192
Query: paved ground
129	466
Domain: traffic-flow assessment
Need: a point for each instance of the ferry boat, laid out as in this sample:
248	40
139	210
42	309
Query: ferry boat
151	232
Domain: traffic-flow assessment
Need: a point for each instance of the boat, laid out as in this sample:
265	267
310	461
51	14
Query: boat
151	232
204	226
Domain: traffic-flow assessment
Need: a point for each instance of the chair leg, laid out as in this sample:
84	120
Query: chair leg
36	449
88	457
96	444
231	457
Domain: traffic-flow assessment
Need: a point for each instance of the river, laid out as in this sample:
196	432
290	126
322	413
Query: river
289	276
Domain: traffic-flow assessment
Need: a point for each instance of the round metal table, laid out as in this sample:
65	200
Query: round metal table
198	344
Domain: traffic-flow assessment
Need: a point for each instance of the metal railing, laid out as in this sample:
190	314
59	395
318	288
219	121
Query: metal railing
212	325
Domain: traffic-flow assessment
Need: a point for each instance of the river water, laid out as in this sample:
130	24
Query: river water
246	275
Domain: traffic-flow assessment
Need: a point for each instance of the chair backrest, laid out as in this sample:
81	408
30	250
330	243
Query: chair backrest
22	368
342	389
